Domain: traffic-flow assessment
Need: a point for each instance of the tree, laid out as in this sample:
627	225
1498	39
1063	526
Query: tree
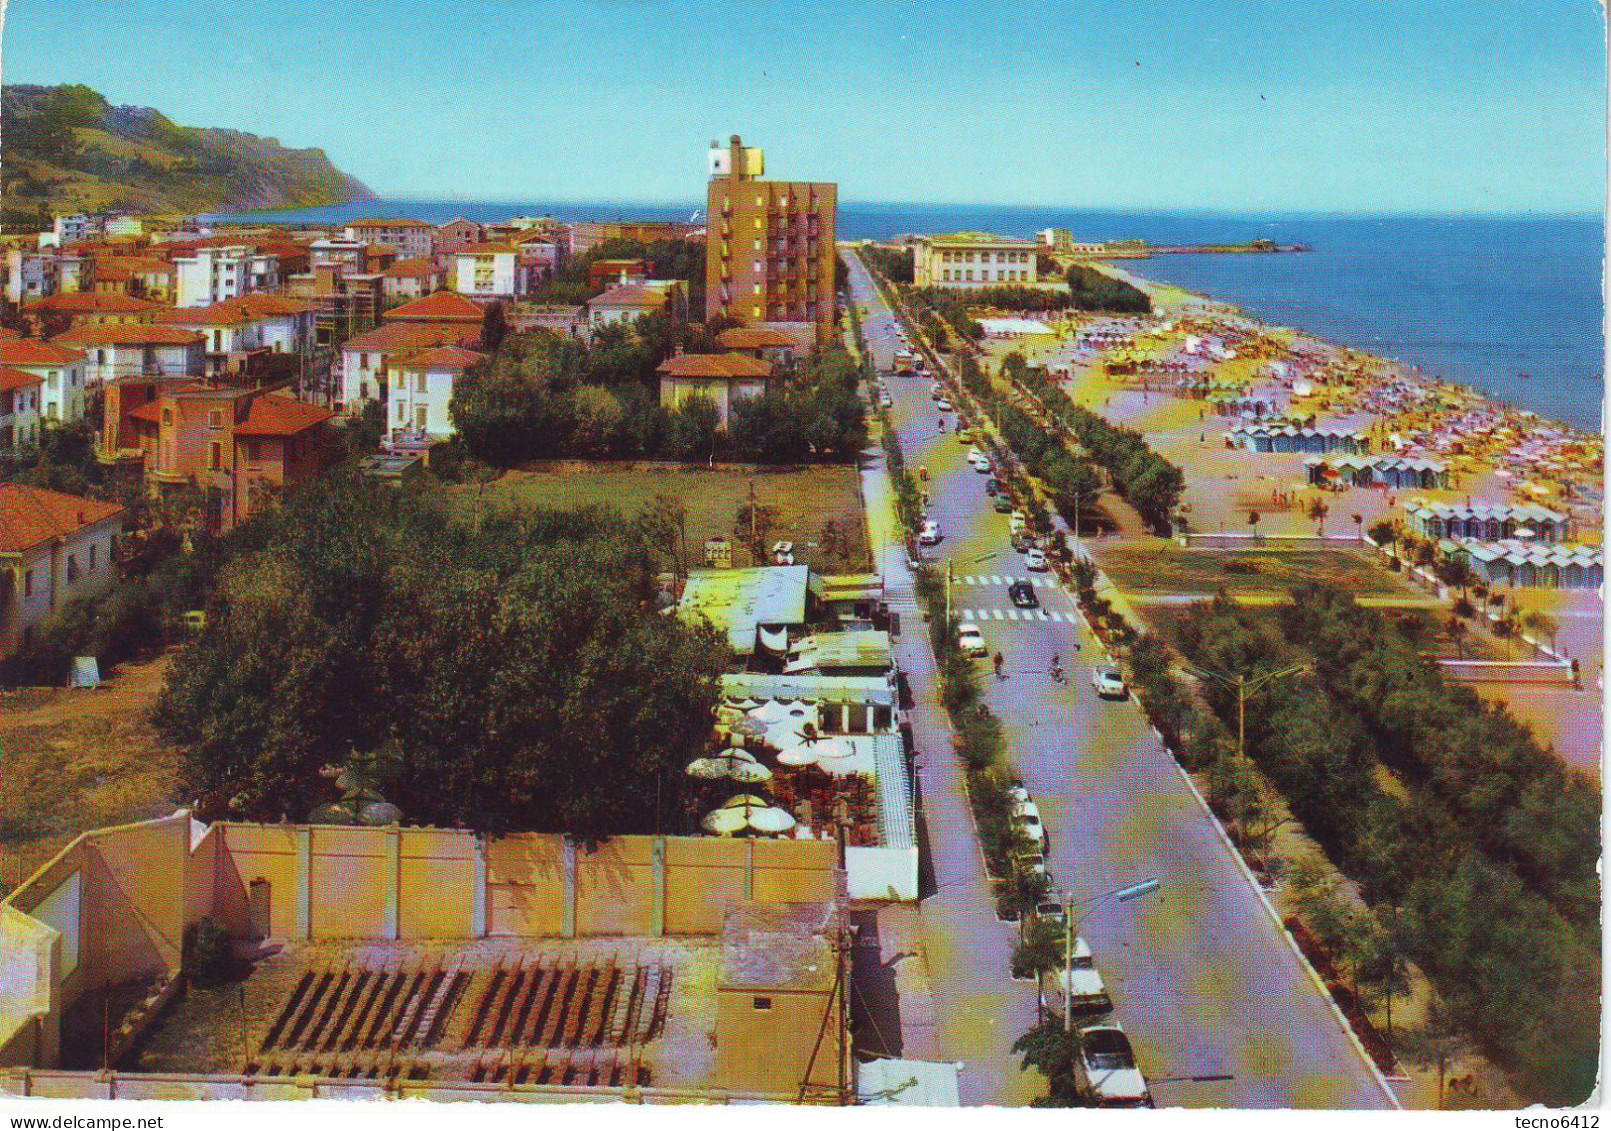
1052	1050
1384	964
1253	518
1457	633
1438	1042
494	327
518	667
1384	533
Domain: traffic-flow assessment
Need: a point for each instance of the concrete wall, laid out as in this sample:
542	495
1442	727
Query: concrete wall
141	886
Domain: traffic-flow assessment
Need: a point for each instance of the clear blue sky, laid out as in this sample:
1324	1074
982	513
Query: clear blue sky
1373	105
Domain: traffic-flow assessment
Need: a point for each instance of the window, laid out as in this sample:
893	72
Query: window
763	1004
419	383
216	461
167	416
28	583
72	567
215	418
94	557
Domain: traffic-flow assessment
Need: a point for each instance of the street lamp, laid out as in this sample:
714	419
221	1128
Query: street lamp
949	564
1245	687
1117	895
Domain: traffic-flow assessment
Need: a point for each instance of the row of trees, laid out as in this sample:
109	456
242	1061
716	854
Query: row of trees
501	674
1440	845
1150	482
544	396
1090	289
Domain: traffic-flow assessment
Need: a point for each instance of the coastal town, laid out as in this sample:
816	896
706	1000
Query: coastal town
657	660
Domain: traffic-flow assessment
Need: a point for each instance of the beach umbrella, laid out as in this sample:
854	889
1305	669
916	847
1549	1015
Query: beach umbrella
749	773
724	822
745	803
707	768
796	753
771	820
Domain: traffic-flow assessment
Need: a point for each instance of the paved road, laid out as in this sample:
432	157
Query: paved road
1203	980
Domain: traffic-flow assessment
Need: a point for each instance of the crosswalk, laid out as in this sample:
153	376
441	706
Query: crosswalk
1018	614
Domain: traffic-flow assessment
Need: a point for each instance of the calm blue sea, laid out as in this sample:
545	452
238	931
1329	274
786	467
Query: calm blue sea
1511	305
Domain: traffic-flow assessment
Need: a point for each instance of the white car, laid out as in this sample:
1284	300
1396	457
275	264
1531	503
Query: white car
1108	683
943	405
971	640
1108	1067
981	465
884	401
1035	560
783	553
1026	817
929	535
1081	982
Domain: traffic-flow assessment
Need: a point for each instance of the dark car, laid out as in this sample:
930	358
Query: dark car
992	485
1023	595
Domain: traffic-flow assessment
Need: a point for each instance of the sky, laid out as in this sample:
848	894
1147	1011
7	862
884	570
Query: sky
1217	105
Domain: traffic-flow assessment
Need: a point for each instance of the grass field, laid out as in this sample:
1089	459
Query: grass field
796	504
71	761
1161	566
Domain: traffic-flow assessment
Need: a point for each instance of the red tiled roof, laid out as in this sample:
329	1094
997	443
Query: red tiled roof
17	379
411	269
276	415
752	338
7	334
127	336
455	358
218	314
443	306
382	223
151	411
393	336
32	515
32	351
733	365
89	302
258	305
631	294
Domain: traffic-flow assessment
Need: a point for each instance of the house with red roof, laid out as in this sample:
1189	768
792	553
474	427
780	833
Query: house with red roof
443	307
366	357
53	547
413	238
237	331
409	279
92	308
721	378
420	389
113	351
240	447
489	271
61	372
19	412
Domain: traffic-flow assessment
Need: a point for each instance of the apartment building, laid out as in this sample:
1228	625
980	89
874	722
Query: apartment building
489	270
53	547
972	259
93	308
420	390
457	235
415	239
241	447
235	332
60	373
770	252
366	358
411	278
217	273
39	274
111	352
19	412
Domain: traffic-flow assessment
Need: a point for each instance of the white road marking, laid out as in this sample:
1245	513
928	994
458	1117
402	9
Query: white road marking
967	614
996	613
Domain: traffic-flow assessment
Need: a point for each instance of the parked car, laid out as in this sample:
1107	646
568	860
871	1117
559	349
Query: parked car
1020	540
982	465
1023	595
943	405
1108	683
1107	1067
1026	817
1035	559
992	485
1002	504
1083	984
1029	861
783	553
971	640
1050	909
929	534
885	401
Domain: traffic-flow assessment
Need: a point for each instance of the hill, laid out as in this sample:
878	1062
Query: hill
66	149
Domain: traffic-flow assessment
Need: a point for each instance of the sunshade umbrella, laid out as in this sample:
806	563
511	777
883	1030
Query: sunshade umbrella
708	768
771	820
749	773
724	822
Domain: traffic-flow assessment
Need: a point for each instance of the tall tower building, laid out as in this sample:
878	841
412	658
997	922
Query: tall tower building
769	248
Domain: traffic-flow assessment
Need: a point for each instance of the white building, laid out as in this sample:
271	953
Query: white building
420	390
231	331
113	351
53	547
60	371
33	275
366	358
415	239
489	270
972	259
209	275
19	411
625	302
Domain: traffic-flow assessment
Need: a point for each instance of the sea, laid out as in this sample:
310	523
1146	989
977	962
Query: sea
1511	305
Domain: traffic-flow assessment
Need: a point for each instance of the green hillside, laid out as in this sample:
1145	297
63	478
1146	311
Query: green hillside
66	149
